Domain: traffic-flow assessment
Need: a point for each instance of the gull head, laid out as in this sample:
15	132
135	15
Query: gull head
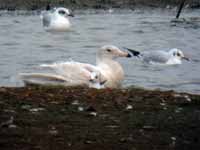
97	80
177	53
64	12
111	52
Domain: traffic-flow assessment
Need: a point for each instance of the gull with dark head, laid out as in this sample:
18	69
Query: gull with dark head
171	57
56	19
107	73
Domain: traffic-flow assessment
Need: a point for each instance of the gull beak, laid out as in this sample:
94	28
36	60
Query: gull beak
133	52
129	55
186	58
124	54
103	82
71	15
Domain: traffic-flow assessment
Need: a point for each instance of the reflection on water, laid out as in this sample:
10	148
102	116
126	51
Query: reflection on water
25	45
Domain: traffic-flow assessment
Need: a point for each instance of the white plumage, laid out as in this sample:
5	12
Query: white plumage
106	73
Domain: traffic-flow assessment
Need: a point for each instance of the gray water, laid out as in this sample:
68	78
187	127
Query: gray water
25	44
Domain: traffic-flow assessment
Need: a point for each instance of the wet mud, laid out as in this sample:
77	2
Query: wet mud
77	118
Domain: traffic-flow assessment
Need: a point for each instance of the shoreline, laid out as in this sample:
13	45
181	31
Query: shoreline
94	4
77	118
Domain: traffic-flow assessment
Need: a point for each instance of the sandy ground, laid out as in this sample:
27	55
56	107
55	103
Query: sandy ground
58	118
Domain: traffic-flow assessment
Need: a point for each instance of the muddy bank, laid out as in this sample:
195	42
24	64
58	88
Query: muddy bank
60	118
80	4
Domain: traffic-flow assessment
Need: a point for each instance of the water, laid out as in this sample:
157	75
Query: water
25	44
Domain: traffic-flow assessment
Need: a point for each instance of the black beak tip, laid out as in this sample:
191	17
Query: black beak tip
71	15
129	55
185	58
101	83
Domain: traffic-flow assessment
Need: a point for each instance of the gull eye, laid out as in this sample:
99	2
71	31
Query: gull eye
109	50
178	54
62	12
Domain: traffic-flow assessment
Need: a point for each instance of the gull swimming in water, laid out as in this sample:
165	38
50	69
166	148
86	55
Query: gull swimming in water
56	19
107	73
171	57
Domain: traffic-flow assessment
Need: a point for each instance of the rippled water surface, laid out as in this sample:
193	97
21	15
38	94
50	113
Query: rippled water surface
25	44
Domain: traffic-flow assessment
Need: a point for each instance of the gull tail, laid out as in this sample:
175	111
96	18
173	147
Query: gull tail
134	52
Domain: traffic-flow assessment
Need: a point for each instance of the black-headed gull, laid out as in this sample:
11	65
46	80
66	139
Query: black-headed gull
171	57
106	73
56	19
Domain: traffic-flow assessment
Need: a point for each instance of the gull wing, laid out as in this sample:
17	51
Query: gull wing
77	71
42	78
155	57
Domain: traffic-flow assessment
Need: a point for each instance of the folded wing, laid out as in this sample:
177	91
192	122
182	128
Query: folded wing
68	73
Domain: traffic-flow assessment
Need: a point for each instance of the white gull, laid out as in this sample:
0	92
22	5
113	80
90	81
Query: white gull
56	19
107	73
171	57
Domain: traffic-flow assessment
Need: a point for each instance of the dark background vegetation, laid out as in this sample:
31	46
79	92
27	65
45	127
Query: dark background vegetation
76	4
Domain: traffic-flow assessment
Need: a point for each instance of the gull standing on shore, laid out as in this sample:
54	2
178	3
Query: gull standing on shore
107	73
56	19
172	57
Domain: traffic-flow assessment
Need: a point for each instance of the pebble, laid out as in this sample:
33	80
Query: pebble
128	107
36	109
177	95
80	108
178	110
173	138
53	132
12	126
76	102
187	98
27	107
8	122
162	104
93	114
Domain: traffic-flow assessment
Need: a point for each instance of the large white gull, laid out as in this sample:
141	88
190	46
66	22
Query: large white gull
171	57
107	73
56	19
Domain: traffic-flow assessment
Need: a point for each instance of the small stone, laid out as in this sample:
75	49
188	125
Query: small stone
148	127
162	104
80	108
187	98
93	114
69	144
129	107
8	122
53	131
173	138
177	95
178	110
76	102
88	142
164	108
26	107
36	109
112	126
9	110
12	126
